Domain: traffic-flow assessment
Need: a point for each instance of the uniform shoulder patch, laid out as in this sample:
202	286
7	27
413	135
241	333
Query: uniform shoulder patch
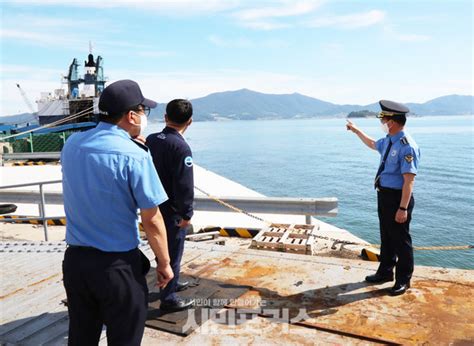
161	136
409	158
188	161
404	140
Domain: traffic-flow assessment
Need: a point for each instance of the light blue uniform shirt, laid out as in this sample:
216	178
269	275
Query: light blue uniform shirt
106	178
403	158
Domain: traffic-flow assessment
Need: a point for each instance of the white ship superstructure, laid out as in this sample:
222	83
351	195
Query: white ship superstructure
82	95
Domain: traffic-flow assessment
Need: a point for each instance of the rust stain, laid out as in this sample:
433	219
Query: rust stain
226	261
11	293
258	271
431	311
434	317
28	286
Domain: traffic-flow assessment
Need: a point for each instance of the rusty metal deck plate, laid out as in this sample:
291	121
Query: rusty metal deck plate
294	299
330	294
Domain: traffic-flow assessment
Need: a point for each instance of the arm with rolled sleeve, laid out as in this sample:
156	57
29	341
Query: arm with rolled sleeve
184	184
149	193
409	168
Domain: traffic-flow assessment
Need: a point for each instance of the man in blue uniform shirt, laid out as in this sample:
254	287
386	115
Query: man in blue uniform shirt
106	178
174	162
394	183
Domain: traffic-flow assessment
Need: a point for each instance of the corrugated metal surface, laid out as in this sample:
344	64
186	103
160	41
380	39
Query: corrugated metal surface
336	305
30	294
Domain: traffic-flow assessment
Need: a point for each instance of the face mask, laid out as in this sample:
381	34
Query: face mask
143	122
384	127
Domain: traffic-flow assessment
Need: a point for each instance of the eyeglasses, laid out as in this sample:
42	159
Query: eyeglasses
144	109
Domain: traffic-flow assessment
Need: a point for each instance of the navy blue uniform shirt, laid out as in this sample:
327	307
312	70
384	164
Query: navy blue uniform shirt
403	158
174	163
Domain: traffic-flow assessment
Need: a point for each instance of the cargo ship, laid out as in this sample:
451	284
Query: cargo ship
81	97
61	112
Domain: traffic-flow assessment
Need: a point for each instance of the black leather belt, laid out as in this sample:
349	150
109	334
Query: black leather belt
82	247
387	189
90	248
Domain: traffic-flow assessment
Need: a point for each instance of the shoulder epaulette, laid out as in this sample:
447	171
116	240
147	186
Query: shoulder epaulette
404	140
140	144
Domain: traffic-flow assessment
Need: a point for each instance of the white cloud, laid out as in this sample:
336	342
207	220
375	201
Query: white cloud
11	100
264	25
395	35
243	42
48	31
412	37
40	38
286	9
239	42
265	18
72	41
350	21
44	22
174	8
25	71
154	54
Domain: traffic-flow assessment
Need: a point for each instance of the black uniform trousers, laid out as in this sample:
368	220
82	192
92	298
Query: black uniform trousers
105	288
396	246
176	236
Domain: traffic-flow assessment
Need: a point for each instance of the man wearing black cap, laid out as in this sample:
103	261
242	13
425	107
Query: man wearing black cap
394	183
107	177
174	162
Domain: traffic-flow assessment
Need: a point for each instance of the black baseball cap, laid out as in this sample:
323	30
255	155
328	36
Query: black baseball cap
121	96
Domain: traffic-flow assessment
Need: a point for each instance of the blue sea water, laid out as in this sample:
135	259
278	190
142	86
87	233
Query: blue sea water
319	158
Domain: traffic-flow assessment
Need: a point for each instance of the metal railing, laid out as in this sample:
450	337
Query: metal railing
39	199
265	205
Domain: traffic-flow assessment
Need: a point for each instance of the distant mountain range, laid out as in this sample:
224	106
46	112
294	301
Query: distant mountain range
246	104
17	119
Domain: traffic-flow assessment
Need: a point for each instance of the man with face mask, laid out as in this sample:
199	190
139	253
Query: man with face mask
394	183
107	177
174	163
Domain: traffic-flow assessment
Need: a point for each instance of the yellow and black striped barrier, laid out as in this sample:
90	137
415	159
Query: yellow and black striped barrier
30	163
234	231
224	231
373	254
51	222
370	254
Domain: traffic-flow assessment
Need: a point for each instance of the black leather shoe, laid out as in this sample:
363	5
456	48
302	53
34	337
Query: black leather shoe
178	305
378	279
399	289
182	285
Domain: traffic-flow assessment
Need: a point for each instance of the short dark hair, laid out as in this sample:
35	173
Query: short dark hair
179	111
115	118
400	119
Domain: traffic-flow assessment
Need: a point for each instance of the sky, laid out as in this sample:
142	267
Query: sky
340	51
